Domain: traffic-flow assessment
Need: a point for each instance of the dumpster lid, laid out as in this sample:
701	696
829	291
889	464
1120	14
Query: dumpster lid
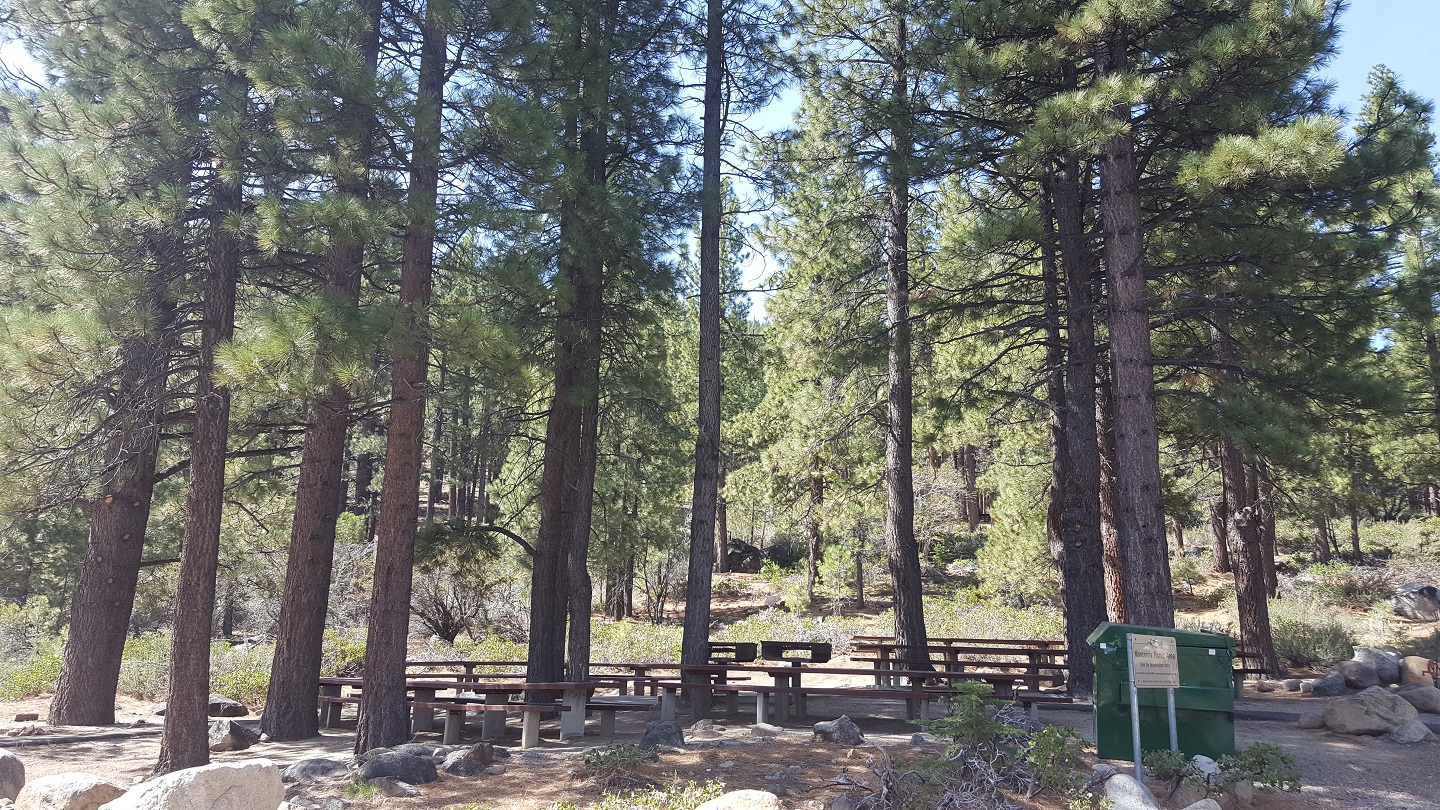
1112	633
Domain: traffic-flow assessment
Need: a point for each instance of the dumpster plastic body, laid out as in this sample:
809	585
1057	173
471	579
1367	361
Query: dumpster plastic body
1204	702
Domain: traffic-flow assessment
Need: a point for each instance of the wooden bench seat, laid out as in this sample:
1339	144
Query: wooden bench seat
917	698
455	710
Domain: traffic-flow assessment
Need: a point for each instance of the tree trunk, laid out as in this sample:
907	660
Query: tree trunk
1249	573
1139	516
812	528
695	643
967	465
1081	547
860	543
184	742
383	713
902	550
437	450
1262	495
1322	539
105	595
1219	533
565	497
290	703
722	529
1109	534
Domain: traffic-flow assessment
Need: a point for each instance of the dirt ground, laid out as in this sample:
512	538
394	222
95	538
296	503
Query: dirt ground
1337	772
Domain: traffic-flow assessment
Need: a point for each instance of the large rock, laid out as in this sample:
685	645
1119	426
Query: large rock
12	775
1373	711
1425	699
221	706
1204	804
841	731
1312	719
743	557
743	800
1416	670
228	735
251	785
68	791
307	770
400	767
1358	674
1417	601
434	753
1386	663
1331	684
1125	793
662	732
459	766
1411	732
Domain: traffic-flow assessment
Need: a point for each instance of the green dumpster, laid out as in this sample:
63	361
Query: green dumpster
1204	702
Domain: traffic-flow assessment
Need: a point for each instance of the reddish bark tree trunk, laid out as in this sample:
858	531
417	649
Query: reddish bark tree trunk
1139	517
184	742
290	703
1109	534
383	712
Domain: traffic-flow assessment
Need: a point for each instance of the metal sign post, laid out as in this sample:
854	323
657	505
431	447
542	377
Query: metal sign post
1153	665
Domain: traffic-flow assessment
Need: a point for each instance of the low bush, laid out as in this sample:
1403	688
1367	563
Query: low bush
949	547
1306	634
1265	764
1351	586
1185	571
35	673
968	614
343	654
145	666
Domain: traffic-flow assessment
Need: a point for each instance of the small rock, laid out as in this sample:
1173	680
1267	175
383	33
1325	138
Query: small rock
1206	767
1205	804
433	753
774	776
1415	669
310	769
1358	674
27	717
843	802
394	788
699	724
1331	684
1243	792
12	775
1312	719
334	803
1417	601
465	767
495	770
1291	684
1307	687
1411	732
221	706
68	791
1425	699
743	800
159	708
662	732
841	731
228	735
500	753
766	730
400	767
1265	686
918	739
1125	793
727	764
1386	664
479	752
1188	792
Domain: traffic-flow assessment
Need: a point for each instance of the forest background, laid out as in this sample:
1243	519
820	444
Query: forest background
327	323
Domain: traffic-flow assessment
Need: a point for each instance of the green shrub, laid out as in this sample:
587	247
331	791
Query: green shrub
1265	764
242	674
34	674
343	653
24	626
145	666
948	547
968	614
1342	584
610	764
1306	635
687	796
1185	571
633	642
970	725
1056	755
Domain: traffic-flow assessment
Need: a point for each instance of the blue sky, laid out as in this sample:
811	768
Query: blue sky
1400	34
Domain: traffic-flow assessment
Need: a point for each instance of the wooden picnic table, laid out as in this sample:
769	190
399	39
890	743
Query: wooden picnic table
425	695
787	683
888	654
1020	642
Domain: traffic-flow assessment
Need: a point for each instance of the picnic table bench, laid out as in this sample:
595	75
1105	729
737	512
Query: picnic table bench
786	684
957	656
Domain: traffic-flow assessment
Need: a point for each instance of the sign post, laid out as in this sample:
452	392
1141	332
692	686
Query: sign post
1153	665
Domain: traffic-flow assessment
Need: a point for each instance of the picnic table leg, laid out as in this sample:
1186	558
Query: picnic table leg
762	711
667	703
492	725
530	729
799	697
454	721
422	718
330	712
572	723
782	700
